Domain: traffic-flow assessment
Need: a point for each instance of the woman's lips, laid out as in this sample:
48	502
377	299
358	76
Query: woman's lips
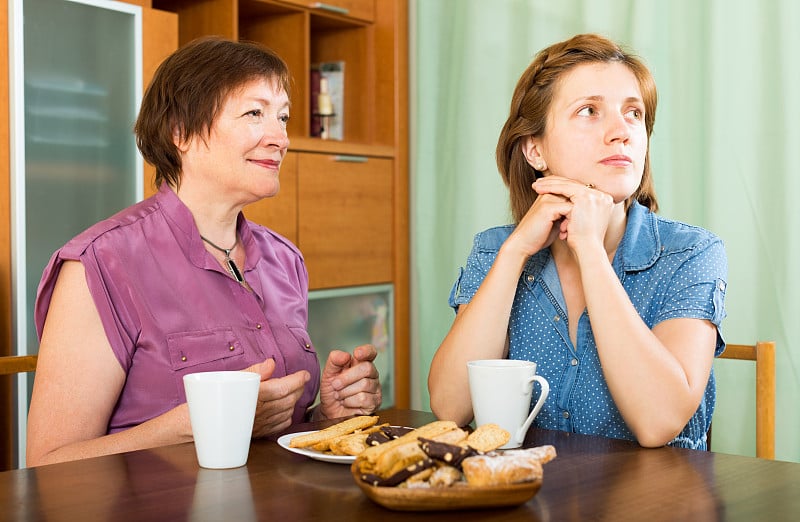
618	160
270	164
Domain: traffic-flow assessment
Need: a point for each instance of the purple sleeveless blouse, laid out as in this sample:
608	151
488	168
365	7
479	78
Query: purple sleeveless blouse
168	308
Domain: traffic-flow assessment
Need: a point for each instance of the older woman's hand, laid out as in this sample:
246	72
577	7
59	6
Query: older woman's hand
277	397
350	384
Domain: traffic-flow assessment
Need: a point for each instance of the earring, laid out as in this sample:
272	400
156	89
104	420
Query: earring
539	166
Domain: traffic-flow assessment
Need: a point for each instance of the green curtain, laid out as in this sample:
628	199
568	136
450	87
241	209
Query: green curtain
723	151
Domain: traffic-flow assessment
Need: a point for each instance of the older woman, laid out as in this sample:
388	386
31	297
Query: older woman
182	282
619	307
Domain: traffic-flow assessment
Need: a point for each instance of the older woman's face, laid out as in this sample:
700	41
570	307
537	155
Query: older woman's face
595	130
247	142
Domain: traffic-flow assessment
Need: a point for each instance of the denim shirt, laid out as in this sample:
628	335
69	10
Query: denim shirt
668	269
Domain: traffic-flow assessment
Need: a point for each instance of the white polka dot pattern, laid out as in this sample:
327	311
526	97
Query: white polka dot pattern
668	269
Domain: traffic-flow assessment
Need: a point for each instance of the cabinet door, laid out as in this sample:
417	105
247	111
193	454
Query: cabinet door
345	219
279	213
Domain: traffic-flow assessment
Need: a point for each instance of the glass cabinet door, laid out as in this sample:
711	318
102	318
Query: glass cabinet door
76	85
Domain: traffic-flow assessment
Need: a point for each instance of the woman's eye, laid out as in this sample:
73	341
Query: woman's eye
636	114
284	118
255	113
587	111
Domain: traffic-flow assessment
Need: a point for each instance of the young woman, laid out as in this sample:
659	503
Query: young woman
619	307
182	282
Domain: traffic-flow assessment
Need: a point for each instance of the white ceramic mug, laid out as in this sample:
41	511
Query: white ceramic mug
222	408
501	391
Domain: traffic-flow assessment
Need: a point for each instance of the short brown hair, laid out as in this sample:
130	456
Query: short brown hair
530	106
189	88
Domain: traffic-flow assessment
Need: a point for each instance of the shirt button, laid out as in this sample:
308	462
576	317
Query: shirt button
183	358
721	285
530	278
258	326
231	348
574	362
565	415
556	319
308	345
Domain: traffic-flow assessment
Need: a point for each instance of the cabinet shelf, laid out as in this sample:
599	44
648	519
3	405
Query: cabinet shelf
303	35
306	144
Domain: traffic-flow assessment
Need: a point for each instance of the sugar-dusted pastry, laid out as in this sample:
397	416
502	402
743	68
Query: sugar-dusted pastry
509	467
543	454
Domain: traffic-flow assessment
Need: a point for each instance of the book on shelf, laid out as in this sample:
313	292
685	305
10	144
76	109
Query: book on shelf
327	121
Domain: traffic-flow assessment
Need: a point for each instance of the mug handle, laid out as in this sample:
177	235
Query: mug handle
523	430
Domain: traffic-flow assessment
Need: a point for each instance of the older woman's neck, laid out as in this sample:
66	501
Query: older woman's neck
214	216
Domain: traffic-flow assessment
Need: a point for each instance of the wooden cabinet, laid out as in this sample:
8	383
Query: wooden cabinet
345	219
280	211
344	203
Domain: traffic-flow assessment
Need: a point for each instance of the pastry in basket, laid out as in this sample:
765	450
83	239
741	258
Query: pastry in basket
402	475
445	476
450	454
510	467
487	437
440	454
384	460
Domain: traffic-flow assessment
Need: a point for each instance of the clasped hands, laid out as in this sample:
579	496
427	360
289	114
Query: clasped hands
349	385
565	209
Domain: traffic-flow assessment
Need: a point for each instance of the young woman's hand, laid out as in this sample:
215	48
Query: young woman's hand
587	210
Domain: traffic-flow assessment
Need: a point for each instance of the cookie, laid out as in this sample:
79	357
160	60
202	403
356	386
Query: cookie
451	454
321	437
487	437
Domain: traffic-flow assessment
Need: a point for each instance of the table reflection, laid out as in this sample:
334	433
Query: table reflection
223	494
101	488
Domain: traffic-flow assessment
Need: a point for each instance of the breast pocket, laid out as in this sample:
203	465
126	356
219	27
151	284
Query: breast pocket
204	351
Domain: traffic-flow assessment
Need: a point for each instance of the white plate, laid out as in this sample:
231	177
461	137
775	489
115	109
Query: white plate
283	441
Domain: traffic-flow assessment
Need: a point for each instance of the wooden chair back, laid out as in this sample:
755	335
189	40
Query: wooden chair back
763	353
11	364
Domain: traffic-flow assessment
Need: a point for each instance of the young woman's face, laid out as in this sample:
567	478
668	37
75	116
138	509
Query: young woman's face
242	155
595	130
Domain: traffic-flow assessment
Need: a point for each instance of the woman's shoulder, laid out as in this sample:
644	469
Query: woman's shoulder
491	239
266	238
678	234
670	234
113	228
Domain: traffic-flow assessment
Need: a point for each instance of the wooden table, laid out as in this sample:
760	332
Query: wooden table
592	478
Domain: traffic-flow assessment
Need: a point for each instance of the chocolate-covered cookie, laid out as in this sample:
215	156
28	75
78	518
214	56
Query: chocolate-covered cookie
386	433
451	454
400	476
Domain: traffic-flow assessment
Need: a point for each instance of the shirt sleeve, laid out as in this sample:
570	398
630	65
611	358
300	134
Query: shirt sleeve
117	329
485	247
697	288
